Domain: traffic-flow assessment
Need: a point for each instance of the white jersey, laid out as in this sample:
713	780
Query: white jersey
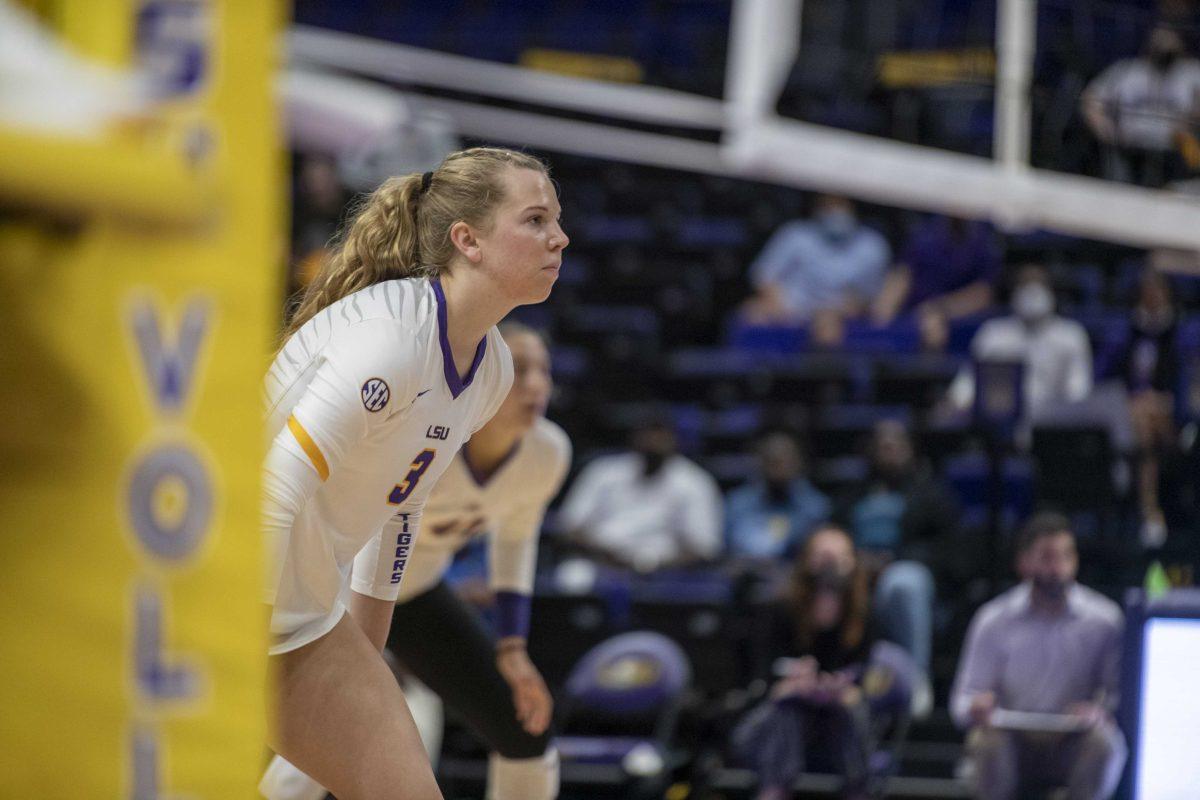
366	409
508	506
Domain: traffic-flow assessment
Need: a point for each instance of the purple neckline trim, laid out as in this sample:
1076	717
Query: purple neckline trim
479	479
456	384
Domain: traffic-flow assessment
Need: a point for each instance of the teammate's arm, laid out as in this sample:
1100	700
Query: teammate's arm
512	562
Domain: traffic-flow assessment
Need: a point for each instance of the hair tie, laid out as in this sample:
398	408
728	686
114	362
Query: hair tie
426	179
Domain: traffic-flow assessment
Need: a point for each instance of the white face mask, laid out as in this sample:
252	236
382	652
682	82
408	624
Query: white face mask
1033	301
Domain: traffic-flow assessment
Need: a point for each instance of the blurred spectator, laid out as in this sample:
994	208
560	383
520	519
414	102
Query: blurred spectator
320	200
831	262
1150	368
1055	351
647	509
949	264
821	640
772	515
904	522
1139	107
1047	646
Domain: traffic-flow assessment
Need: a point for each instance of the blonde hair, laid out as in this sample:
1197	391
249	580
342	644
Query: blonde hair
402	229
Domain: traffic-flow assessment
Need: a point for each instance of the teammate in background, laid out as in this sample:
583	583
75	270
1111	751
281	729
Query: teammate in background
392	361
499	485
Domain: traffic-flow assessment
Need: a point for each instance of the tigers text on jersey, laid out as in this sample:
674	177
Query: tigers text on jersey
508	506
366	410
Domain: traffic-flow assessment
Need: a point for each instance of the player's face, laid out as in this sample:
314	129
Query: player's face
523	246
532	384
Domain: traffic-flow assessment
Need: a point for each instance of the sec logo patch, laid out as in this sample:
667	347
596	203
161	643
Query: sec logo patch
375	394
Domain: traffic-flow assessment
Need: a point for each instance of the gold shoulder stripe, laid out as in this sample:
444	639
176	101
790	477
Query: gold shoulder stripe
310	447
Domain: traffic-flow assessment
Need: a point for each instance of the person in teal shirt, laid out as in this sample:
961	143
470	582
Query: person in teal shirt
772	515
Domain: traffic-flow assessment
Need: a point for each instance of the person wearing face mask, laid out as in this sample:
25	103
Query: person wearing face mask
903	519
1138	107
1055	351
1150	369
814	714
770	516
646	509
830	262
1048	646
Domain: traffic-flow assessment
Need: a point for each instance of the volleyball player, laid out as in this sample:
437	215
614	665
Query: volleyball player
498	486
392	361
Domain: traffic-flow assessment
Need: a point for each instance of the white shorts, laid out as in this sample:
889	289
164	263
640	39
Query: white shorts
306	634
309	589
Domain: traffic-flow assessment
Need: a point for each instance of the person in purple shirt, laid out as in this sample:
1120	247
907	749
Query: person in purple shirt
949	265
1051	647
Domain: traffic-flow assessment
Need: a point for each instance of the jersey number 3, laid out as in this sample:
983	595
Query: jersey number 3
416	469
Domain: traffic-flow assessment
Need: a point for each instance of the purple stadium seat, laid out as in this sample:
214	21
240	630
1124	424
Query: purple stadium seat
620	707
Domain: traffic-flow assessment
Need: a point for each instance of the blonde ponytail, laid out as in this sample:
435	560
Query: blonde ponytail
378	244
402	229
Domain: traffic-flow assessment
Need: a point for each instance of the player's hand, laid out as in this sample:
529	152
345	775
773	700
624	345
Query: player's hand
982	706
530	695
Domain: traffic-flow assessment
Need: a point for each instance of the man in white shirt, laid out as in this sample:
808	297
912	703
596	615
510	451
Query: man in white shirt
1055	351
647	509
1138	106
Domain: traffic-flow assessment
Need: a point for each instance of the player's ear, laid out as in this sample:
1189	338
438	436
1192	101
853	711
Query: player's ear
466	242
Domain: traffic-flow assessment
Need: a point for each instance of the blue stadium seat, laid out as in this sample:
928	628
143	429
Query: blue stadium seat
767	338
732	429
611	230
969	476
899	337
699	232
837	475
731	469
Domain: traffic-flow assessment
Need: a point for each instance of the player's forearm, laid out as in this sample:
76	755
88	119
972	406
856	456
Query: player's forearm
374	616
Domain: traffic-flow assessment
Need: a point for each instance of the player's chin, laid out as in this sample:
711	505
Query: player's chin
540	289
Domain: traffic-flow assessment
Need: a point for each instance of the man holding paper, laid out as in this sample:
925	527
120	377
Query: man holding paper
1037	683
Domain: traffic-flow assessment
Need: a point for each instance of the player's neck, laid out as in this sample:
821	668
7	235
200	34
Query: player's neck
471	309
490	445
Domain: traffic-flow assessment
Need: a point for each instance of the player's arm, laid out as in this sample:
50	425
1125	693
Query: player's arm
363	378
378	569
374	616
512	564
326	422
512	557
